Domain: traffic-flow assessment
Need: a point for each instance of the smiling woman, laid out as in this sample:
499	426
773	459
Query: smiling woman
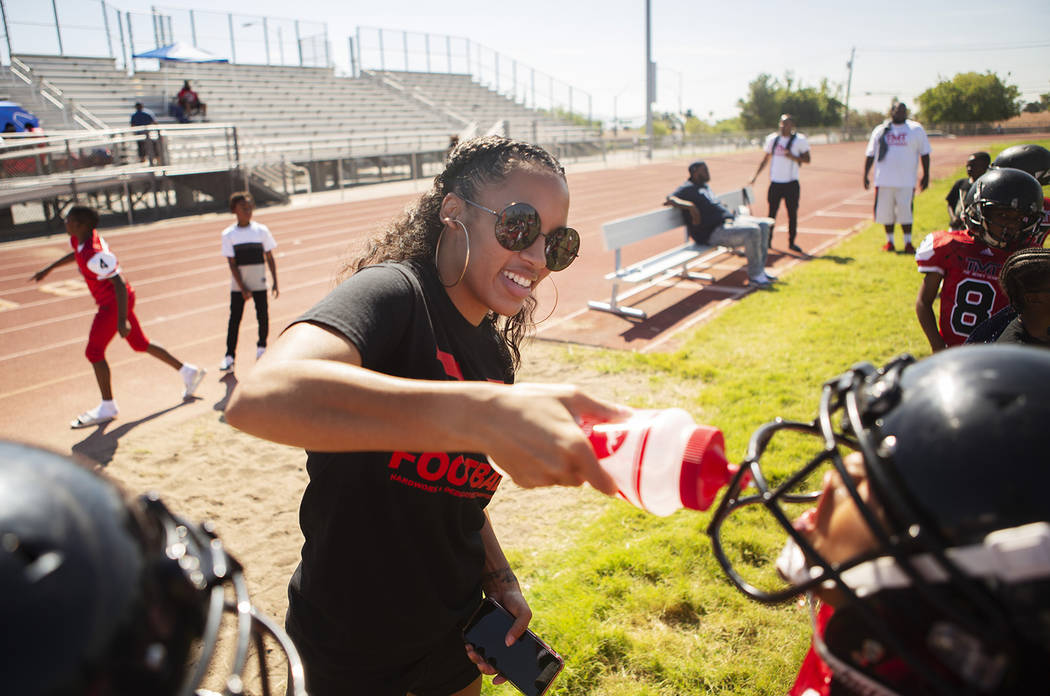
399	386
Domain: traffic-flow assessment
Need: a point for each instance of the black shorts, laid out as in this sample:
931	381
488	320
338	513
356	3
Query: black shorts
439	670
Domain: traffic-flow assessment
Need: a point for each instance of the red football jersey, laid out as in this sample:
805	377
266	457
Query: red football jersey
970	292
97	264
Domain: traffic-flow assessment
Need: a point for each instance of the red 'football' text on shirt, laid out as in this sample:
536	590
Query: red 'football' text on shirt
435	472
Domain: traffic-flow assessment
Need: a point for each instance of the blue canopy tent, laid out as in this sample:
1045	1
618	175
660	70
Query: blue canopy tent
179	52
13	116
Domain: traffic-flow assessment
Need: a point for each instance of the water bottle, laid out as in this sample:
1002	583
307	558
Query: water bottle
662	460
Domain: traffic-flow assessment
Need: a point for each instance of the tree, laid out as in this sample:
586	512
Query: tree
768	97
970	97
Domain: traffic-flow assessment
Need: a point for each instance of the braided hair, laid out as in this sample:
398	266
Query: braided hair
1024	271
413	236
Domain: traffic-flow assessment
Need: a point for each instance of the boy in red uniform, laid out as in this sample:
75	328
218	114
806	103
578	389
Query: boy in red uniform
1002	213
116	312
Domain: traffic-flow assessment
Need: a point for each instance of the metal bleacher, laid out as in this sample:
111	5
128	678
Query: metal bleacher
278	129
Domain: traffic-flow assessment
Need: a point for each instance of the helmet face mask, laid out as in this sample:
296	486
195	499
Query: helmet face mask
114	596
1003	209
947	455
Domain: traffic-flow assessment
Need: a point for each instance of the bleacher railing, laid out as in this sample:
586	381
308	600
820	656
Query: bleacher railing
374	48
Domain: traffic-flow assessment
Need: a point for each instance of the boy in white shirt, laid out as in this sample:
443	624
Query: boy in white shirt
246	245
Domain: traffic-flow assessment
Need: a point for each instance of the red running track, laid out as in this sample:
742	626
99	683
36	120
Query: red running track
182	285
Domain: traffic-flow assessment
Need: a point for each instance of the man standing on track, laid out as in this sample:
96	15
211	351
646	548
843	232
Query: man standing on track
789	150
898	145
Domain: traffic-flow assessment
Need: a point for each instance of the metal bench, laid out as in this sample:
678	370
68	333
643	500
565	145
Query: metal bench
676	262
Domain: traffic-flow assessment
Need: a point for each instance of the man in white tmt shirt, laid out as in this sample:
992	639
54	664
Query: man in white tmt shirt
896	147
789	150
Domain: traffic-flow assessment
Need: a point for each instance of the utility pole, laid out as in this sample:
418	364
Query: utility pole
849	83
650	87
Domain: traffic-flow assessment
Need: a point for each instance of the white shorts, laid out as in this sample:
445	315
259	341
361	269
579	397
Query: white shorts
893	204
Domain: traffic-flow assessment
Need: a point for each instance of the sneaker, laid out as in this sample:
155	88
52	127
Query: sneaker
226	364
795	248
909	249
192	378
888	246
95	416
259	350
761	282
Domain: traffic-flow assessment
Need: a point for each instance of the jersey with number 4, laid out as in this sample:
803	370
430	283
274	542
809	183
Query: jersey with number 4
970	292
98	265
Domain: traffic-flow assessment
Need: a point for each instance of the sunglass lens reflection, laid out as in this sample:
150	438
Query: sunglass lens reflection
518	226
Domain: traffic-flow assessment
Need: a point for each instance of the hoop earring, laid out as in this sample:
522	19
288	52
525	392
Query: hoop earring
437	250
550	313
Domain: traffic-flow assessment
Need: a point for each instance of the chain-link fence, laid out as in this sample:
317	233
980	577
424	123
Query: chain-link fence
90	29
392	49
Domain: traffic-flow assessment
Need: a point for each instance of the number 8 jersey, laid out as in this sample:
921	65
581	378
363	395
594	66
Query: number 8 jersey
970	291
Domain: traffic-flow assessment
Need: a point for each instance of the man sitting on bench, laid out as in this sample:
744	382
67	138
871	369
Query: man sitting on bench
710	222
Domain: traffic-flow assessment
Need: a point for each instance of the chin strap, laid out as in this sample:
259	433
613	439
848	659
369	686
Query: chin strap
1018	554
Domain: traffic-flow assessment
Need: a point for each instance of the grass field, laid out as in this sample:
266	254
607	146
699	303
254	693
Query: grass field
639	605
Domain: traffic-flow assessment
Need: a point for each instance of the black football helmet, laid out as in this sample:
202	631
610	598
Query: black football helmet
101	596
955	596
1003	209
1034	159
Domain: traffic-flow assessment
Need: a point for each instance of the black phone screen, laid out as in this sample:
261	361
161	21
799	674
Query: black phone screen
529	664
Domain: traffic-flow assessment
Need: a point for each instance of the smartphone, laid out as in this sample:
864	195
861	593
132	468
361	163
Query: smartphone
530	664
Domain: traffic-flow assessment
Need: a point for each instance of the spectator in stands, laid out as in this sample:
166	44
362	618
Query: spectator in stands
789	151
975	166
1026	280
896	147
398	384
190	102
116	312
176	111
143	117
246	244
710	222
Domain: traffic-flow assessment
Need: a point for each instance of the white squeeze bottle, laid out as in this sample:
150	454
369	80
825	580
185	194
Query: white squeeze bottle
662	460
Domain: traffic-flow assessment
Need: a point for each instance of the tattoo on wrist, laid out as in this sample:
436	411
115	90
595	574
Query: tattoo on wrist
503	576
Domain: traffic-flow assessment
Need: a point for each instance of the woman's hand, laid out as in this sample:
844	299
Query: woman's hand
503	587
532	432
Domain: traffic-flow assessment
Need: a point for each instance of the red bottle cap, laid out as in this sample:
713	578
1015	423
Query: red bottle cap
704	468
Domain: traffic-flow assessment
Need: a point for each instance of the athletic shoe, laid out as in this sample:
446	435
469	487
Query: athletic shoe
909	249
226	364
259	350
192	378
795	248
762	282
888	246
95	416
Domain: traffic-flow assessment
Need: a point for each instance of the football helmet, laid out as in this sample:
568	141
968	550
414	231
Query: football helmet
107	596
1003	208
952	596
1034	159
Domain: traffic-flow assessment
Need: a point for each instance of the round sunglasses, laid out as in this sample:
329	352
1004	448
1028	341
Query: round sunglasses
518	225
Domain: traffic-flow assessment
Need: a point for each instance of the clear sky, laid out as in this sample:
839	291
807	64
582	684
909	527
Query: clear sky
707	52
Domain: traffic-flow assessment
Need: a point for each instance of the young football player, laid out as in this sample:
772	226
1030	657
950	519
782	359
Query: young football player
924	553
1002	213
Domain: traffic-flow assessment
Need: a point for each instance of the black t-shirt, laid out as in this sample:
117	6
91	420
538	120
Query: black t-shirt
955	198
712	213
393	556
